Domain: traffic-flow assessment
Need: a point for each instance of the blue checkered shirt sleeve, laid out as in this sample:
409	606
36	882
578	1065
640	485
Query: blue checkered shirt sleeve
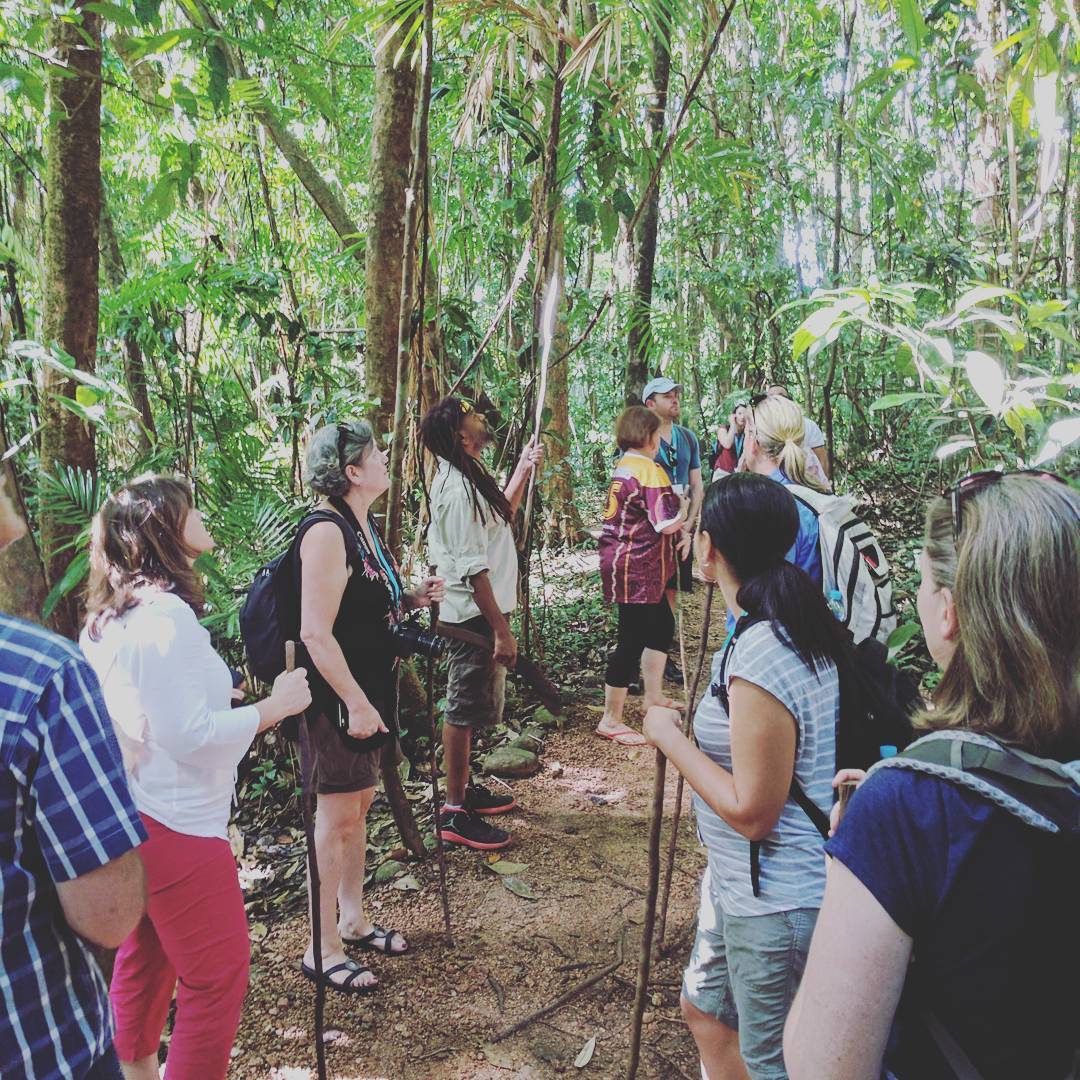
83	812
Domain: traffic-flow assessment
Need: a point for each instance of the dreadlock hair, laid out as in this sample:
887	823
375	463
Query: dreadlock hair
440	431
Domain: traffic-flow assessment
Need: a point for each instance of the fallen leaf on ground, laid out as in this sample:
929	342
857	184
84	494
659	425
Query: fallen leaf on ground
519	887
407	884
507	869
586	1054
258	931
500	1057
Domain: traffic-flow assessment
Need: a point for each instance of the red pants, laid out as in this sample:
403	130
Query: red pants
194	938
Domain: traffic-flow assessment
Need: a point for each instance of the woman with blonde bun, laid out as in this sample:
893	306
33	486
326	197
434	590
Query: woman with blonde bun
775	447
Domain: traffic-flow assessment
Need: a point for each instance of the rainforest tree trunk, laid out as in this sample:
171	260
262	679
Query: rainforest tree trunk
639	338
70	308
391	161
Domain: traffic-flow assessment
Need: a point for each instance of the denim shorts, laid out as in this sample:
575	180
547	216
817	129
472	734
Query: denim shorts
744	970
476	684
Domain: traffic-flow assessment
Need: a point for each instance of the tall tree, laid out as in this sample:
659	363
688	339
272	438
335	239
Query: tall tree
22	578
388	182
70	295
639	333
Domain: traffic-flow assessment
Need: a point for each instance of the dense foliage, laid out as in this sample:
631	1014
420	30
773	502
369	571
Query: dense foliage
876	202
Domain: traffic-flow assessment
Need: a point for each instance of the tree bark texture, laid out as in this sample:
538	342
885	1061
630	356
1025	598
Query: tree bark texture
134	363
70	308
562	522
639	337
22	577
391	161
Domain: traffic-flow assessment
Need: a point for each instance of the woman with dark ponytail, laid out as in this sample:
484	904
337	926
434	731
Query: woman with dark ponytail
769	718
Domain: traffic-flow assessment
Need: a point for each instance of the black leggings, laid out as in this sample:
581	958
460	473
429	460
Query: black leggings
641	626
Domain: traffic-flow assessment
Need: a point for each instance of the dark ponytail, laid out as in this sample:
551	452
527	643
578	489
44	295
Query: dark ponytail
439	431
753	521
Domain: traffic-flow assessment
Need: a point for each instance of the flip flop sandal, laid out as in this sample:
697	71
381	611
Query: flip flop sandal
347	985
623	736
378	941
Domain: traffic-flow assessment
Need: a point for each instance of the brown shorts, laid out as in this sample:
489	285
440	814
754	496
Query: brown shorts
476	686
338	769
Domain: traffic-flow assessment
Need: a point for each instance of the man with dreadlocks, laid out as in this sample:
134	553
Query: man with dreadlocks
472	543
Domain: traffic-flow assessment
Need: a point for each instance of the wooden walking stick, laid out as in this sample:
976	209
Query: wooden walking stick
691	705
440	853
656	822
307	799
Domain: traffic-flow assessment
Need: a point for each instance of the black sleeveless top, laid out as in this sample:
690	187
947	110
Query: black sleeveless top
371	605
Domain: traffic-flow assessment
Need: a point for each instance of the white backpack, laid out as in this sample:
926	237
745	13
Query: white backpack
853	564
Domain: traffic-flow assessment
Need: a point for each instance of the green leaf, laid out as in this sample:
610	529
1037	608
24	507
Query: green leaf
892	401
522	211
986	378
315	92
507	869
17	82
1015	424
974	297
914	27
1059	436
115	14
623	203
609	223
218	86
901	636
947	450
76	570
147	11
585	211
86	396
1039	313
518	887
586	1054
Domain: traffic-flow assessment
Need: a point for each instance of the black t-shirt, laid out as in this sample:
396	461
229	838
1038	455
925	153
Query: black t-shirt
993	907
371	606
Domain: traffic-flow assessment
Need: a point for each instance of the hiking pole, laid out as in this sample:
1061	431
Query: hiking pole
307	799
655	825
691	704
440	853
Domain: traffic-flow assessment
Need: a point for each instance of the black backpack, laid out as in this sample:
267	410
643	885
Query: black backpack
877	701
271	613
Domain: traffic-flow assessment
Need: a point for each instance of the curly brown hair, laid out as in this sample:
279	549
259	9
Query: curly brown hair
138	540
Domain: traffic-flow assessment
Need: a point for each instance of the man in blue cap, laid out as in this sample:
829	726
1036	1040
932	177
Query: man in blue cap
680	457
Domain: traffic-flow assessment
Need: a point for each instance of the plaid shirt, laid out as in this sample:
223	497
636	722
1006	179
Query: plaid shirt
64	811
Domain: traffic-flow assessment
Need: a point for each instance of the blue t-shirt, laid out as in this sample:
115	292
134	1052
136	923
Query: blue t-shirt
991	905
805	553
681	456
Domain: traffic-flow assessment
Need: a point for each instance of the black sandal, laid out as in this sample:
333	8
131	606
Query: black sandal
378	941
347	985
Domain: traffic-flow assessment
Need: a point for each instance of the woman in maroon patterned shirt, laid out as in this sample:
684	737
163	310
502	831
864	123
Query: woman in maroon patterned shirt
637	557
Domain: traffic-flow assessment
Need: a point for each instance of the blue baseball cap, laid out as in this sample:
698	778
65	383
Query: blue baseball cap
661	385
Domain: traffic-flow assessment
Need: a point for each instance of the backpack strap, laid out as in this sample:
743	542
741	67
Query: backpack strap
808	806
1041	792
353	552
953	1053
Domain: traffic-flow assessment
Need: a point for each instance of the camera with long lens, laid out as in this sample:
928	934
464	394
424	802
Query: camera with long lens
412	638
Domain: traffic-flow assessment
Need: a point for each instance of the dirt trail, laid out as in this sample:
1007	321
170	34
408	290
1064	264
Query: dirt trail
582	833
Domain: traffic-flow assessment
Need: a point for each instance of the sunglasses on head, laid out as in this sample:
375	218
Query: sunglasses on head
343	434
973	483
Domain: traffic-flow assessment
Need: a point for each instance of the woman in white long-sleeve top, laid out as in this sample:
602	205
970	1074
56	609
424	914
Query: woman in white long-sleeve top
170	697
